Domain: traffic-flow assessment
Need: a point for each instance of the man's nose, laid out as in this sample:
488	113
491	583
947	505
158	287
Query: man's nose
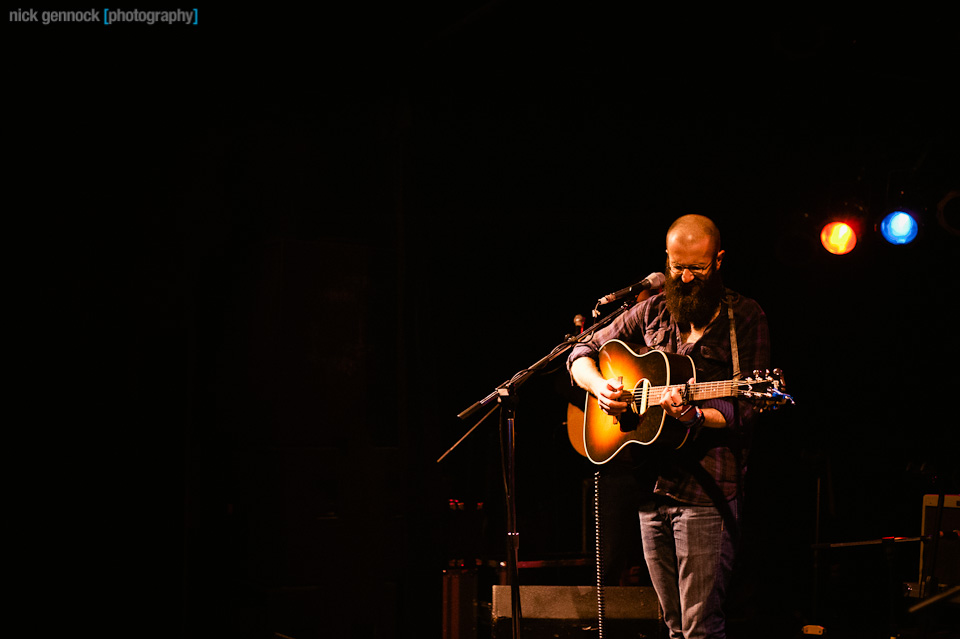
686	276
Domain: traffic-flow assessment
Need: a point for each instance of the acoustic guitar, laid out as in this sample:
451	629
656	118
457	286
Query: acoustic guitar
646	378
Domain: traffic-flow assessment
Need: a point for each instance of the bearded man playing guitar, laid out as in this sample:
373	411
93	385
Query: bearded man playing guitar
689	524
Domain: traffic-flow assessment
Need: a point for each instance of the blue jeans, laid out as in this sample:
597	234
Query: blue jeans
689	552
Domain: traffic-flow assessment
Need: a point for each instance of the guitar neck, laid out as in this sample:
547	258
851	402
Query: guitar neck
696	392
712	390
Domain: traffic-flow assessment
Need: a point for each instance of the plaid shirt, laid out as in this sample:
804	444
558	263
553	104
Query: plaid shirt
720	454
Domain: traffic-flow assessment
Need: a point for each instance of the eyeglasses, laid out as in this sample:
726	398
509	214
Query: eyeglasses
695	269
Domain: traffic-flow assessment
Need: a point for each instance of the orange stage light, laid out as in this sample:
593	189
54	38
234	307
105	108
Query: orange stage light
838	237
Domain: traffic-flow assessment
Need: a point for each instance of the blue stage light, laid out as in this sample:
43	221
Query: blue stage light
899	227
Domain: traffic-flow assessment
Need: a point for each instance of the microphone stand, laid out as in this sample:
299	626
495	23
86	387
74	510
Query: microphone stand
506	397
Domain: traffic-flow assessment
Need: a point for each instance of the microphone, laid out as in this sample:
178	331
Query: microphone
654	280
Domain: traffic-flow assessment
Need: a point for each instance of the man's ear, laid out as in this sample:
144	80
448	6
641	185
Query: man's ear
719	258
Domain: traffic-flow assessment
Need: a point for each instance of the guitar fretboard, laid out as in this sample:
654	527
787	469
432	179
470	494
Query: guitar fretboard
696	392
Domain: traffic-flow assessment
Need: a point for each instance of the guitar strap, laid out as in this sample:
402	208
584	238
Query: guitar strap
719	500
733	337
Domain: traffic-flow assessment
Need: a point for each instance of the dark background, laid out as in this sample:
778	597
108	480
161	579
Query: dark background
260	265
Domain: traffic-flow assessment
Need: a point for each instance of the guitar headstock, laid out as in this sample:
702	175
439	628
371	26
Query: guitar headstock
765	389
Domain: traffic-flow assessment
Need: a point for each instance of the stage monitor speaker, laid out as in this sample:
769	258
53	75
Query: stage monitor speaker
568	612
945	570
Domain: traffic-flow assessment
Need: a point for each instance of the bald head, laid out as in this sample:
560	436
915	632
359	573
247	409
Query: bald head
693	246
692	230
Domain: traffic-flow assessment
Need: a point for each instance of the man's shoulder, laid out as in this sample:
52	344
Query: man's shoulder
652	303
652	309
742	301
745	307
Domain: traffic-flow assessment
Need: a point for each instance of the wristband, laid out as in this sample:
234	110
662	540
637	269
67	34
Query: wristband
698	418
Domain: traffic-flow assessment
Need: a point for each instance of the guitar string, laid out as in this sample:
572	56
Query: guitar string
701	390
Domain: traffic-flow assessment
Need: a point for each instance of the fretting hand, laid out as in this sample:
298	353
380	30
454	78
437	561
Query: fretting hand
672	401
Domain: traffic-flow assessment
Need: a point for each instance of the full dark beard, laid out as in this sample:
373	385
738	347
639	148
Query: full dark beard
693	303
